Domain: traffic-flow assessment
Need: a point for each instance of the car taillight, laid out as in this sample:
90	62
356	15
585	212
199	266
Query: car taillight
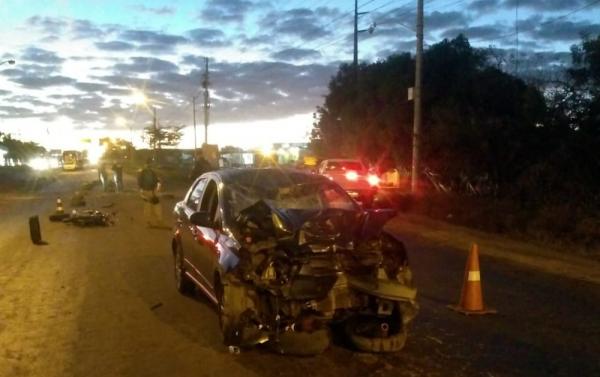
351	176
373	179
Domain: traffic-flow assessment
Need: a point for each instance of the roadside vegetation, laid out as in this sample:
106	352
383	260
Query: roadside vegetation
499	152
14	176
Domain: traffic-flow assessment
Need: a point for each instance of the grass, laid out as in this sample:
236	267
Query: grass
562	226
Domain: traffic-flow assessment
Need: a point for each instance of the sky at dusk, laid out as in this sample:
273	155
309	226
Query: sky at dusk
78	61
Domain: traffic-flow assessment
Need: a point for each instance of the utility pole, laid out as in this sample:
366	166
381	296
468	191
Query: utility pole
517	38
356	31
155	126
205	84
417	112
355	36
194	117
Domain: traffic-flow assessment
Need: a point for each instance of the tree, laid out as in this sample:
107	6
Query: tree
478	121
116	148
19	152
162	137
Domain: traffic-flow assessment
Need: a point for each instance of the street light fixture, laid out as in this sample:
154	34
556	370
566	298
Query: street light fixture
140	98
9	61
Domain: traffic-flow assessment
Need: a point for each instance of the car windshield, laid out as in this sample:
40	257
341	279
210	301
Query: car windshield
308	196
345	166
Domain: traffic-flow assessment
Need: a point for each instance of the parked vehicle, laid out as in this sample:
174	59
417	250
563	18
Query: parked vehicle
283	254
72	160
353	176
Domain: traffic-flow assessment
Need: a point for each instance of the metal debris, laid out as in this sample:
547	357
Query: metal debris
88	217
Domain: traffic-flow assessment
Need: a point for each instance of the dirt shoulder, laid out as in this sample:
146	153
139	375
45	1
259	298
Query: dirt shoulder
531	255
22	179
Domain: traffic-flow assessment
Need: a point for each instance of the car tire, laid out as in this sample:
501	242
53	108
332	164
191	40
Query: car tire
373	343
35	232
183	283
229	327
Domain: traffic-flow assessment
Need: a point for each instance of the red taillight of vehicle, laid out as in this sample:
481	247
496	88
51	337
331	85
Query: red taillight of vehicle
351	175
373	179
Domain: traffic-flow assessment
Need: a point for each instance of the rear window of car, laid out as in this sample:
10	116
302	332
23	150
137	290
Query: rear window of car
344	165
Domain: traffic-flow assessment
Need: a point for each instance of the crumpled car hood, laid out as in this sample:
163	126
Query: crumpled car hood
302	226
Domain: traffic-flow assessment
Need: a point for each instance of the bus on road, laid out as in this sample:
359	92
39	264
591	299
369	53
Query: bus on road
72	160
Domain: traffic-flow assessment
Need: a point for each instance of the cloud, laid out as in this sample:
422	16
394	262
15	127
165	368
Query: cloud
439	20
16	112
144	65
563	30
482	6
32	70
207	37
483	32
243	91
255	40
92	104
547	5
38	55
49	25
32	82
160	11
90	86
404	14
301	22
30	100
83	29
114	46
217	11
148	37
295	54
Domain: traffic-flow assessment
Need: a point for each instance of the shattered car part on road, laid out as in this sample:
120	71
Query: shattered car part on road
284	254
84	218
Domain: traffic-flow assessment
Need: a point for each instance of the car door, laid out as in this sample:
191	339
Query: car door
207	237
187	230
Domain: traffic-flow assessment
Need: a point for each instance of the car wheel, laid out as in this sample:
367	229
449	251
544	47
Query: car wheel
183	283
365	333
227	322
34	230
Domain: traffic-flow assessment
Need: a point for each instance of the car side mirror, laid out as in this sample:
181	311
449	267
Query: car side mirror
202	219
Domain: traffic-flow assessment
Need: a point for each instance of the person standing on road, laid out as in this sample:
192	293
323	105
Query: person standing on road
201	166
149	185
117	169
103	175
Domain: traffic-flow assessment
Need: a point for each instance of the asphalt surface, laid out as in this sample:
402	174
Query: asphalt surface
101	302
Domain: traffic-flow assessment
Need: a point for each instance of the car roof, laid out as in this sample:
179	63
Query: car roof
343	160
255	176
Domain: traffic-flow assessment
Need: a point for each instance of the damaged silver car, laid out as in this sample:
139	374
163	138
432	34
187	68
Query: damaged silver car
287	256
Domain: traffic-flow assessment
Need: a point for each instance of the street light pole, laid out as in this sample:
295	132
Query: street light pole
205	84
155	125
194	116
417	112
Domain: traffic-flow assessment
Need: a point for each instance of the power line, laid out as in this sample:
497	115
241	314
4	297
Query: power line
590	4
508	35
367	3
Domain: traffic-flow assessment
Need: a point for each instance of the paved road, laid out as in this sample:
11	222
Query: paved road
101	302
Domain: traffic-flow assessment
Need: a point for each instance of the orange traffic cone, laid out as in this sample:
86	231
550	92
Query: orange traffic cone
59	207
471	299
